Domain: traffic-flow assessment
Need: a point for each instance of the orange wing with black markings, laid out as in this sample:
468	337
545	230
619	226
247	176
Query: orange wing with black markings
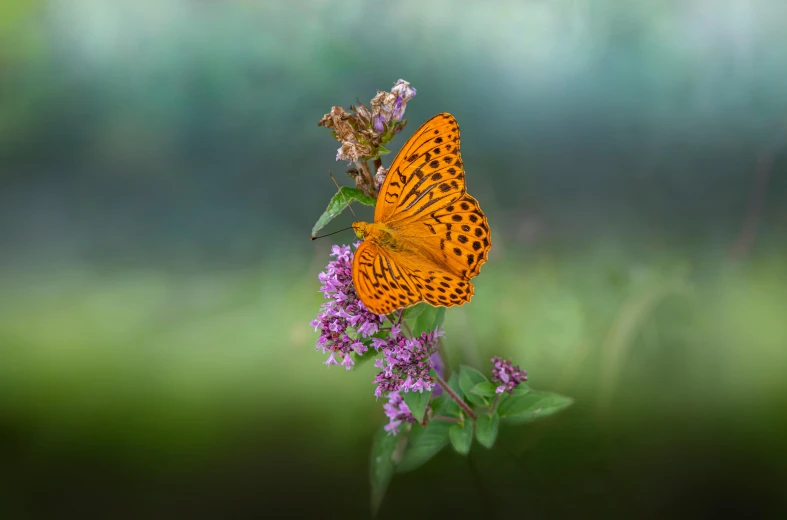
429	237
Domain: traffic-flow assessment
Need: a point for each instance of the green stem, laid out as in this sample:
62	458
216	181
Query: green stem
494	403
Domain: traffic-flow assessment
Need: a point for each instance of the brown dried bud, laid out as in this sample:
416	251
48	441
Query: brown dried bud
337	119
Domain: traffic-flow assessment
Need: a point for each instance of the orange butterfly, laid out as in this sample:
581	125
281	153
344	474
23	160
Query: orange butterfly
429	237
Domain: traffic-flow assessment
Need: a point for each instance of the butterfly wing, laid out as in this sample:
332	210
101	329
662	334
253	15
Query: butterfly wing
455	238
443	235
426	174
388	280
380	282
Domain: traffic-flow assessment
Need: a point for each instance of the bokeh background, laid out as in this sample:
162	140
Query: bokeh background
160	171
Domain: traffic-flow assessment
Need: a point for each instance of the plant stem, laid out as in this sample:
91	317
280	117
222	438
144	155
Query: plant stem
450	391
377	164
363	166
494	403
444	418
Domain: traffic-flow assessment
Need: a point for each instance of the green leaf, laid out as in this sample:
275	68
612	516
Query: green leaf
381	466
417	402
382	150
486	429
412	313
468	378
518	409
343	198
485	389
461	436
424	445
429	318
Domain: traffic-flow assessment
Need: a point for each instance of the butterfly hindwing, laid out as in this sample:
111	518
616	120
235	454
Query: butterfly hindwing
439	287
455	238
461	232
380	282
426	174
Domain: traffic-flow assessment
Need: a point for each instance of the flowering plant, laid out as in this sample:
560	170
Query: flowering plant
427	407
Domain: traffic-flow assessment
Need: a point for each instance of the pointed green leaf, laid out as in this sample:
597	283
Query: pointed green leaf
468	378
485	389
425	443
518	409
381	466
417	402
343	198
486	429
461	436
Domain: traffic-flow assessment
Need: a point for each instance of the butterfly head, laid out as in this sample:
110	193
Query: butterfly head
361	229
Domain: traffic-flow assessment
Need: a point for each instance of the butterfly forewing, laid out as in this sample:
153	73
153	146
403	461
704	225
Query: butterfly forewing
426	174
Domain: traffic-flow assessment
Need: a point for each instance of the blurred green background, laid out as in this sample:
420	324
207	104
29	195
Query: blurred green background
160	170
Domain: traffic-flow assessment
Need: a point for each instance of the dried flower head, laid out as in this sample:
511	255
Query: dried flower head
362	131
510	376
344	322
338	120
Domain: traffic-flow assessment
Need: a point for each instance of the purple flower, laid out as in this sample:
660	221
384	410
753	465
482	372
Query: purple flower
404	93
344	323
378	123
398	412
406	363
509	375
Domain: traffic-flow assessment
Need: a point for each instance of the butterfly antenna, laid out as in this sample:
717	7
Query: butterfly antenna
329	234
343	195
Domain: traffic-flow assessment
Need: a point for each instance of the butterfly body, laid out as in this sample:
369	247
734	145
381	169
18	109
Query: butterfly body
429	237
380	234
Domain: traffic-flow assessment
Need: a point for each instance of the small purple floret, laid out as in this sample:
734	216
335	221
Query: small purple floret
406	363
510	376
398	412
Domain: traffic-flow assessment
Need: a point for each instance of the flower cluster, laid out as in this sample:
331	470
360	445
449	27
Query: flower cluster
344	323
363	131
398	412
509	375
406	362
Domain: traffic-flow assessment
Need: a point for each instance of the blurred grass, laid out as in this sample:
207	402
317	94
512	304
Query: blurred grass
146	357
175	393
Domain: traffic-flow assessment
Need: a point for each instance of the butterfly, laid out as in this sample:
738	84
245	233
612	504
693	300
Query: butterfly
429	237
